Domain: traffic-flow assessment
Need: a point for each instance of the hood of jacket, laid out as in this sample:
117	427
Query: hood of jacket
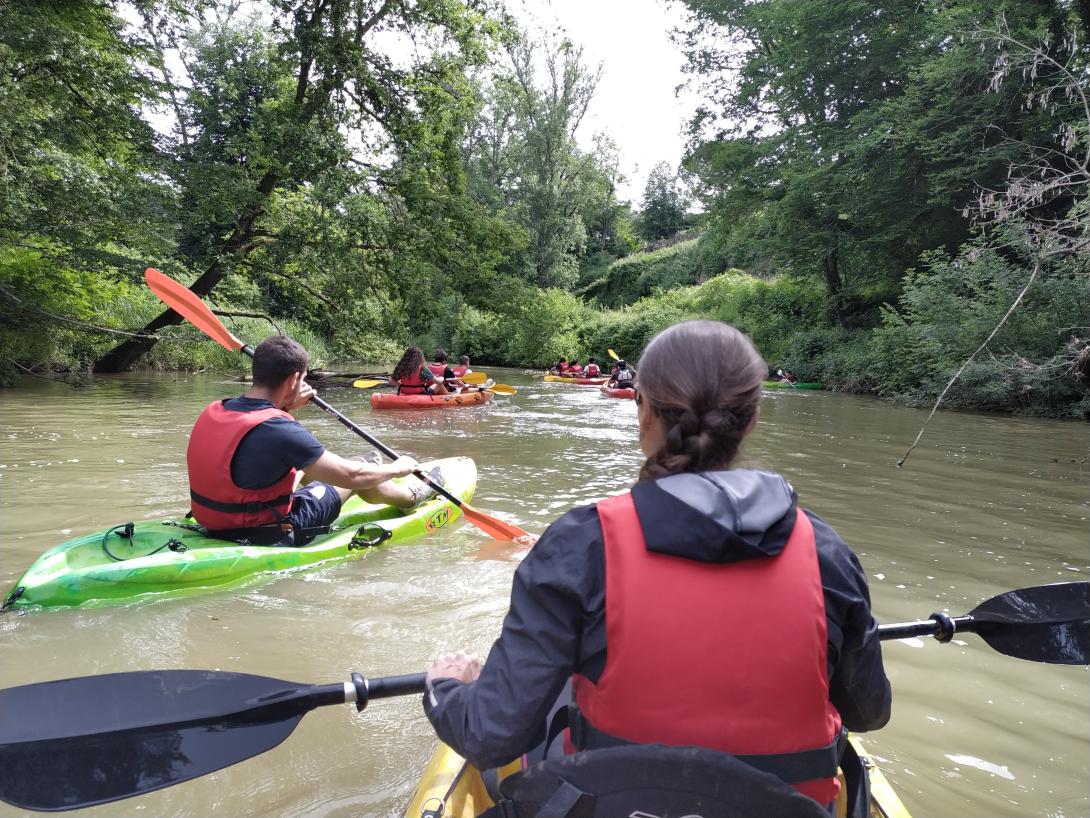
722	516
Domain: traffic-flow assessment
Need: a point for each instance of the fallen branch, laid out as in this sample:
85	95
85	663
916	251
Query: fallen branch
230	314
969	360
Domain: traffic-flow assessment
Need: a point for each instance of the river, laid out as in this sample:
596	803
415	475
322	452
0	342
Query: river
985	504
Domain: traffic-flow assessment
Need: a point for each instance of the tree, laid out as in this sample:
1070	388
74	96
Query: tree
271	108
664	204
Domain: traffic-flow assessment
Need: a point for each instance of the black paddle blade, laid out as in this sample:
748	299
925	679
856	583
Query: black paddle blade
1045	623
78	742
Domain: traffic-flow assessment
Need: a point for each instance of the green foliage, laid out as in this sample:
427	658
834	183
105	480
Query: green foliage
949	306
641	274
664	204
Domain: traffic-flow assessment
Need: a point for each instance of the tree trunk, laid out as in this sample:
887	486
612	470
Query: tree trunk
833	283
122	357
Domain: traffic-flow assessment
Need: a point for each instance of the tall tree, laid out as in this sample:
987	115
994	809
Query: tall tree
664	204
271	107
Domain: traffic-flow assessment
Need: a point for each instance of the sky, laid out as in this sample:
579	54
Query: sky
635	104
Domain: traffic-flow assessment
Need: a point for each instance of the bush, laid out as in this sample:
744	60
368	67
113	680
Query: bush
951	305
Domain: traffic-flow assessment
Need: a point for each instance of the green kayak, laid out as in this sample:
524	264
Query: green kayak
782	385
167	558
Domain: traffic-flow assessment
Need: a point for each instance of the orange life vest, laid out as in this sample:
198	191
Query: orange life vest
219	504
728	656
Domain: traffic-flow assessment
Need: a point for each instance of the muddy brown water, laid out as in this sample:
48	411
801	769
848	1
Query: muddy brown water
985	504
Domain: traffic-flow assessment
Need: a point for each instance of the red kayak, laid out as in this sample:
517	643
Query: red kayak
619	393
581	381
386	400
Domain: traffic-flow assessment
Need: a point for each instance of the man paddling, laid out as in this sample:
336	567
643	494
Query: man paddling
246	458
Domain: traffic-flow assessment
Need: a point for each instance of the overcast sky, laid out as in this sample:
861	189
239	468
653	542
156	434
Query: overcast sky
635	103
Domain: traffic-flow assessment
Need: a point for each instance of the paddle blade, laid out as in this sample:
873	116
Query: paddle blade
613	354
189	305
1045	623
77	742
474	377
368	383
495	528
503	389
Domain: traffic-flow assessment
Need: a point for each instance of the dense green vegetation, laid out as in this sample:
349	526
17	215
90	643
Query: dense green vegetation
876	186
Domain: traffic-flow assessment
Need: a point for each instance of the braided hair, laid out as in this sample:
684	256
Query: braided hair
703	379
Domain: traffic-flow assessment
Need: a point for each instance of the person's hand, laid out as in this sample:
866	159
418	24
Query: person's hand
403	466
303	393
461	666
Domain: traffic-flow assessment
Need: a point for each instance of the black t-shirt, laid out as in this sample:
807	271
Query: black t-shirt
271	449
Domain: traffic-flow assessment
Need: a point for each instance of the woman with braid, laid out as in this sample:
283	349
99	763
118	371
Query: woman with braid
703	607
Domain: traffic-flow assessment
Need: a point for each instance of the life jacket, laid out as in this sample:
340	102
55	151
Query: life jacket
562	368
437	370
219	504
729	656
412	384
625	376
592	371
459	371
576	369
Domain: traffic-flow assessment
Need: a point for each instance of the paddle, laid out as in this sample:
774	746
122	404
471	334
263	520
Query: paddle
1044	623
77	742
498	388
188	305
613	355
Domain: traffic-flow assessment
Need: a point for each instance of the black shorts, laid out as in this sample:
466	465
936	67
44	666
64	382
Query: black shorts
314	505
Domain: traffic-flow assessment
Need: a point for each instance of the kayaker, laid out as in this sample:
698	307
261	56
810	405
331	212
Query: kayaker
734	619
622	376
575	369
592	369
463	367
247	456
561	367
412	377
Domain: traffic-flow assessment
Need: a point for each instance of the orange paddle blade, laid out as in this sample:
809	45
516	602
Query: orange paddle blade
497	529
189	305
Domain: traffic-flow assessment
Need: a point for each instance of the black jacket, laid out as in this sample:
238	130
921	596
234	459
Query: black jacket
556	623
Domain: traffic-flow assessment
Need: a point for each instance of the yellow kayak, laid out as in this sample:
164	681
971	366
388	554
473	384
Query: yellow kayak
452	788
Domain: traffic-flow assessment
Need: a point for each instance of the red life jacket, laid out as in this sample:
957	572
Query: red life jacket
218	504
728	656
592	371
459	371
412	384
576	368
562	368
437	370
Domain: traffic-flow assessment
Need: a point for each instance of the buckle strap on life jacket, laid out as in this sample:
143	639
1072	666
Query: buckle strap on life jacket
793	768
238	508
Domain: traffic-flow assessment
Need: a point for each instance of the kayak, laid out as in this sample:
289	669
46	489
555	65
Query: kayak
619	393
453	788
782	385
388	400
581	381
164	558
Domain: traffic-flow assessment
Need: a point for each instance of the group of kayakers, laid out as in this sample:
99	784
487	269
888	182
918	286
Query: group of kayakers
414	376
621	376
703	606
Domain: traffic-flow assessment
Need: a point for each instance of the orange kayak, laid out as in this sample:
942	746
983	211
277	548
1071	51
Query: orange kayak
619	393
387	400
581	381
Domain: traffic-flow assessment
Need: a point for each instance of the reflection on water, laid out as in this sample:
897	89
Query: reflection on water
986	504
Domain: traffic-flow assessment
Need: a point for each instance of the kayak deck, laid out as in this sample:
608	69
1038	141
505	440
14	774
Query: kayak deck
451	787
577	381
162	558
381	400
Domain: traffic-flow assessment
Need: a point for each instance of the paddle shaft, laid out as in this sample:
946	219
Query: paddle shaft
374	441
942	627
